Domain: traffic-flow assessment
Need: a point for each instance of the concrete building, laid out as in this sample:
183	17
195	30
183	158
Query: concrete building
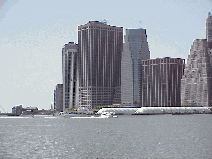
209	34
69	73
161	82
58	97
30	110
135	49
197	79
17	110
209	28
99	63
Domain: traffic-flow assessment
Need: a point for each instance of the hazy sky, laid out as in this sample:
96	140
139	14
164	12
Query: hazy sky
32	34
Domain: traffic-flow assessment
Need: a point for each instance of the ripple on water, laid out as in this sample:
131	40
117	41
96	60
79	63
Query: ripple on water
163	136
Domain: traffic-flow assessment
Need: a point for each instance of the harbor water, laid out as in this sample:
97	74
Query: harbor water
128	136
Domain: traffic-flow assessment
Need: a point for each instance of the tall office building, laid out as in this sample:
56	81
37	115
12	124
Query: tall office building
135	49
197	79
69	73
58	97
209	28
209	35
161	82
99	63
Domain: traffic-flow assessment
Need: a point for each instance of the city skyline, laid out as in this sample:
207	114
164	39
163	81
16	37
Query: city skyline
34	33
144	81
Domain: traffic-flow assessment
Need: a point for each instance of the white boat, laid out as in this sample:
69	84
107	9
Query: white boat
109	114
90	117
103	115
80	112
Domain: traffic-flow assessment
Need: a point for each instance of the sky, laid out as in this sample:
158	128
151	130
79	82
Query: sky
32	34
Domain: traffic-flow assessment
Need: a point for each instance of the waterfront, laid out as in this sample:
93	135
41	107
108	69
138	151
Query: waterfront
151	136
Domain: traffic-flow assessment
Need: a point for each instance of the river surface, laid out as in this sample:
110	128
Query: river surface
147	136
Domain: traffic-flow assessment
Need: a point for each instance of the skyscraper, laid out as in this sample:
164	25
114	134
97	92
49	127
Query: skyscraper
197	79
69	73
209	28
135	49
99	63
161	81
58	97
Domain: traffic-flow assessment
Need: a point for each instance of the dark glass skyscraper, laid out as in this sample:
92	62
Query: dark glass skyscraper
135	49
99	63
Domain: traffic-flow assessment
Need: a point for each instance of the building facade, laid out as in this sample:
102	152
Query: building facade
161	82
99	63
209	33
135	49
17	110
209	28
58	97
197	79
69	73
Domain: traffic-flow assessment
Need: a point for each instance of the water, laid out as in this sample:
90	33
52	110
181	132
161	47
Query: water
153	136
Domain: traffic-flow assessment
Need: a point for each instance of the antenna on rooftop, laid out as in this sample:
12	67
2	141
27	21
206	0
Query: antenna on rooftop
104	21
140	22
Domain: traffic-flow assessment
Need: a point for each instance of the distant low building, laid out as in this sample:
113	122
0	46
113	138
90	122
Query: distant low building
29	110
17	110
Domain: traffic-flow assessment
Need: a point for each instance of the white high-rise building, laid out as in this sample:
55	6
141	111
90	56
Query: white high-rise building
69	73
135	49
197	79
196	83
209	28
